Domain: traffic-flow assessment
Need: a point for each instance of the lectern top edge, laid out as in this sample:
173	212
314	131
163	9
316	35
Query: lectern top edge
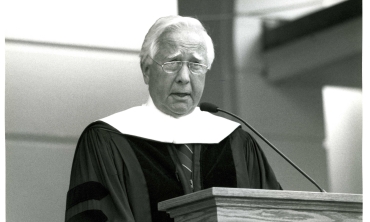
260	194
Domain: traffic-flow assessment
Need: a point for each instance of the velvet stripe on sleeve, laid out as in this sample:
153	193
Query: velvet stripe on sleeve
104	171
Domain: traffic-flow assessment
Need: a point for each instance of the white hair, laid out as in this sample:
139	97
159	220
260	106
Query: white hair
172	23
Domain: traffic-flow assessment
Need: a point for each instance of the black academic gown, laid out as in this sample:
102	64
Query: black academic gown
118	177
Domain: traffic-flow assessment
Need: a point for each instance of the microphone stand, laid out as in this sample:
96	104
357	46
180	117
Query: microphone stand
272	146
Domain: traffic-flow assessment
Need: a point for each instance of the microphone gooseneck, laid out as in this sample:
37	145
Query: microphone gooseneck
209	107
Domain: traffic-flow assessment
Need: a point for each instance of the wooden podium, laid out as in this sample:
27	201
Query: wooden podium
233	204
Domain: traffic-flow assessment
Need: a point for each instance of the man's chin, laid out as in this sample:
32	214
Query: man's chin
181	111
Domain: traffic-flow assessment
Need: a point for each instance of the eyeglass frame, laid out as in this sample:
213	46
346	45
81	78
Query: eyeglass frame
182	63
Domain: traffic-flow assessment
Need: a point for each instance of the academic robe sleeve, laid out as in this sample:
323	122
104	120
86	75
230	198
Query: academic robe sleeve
101	188
252	167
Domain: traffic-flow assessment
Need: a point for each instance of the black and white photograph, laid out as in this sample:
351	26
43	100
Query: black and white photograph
184	110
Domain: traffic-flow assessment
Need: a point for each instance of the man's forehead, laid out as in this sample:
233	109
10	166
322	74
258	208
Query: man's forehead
176	44
183	35
180	53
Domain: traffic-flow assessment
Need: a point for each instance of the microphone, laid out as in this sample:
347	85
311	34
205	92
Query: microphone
209	107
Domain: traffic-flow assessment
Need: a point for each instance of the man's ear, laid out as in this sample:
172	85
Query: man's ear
145	68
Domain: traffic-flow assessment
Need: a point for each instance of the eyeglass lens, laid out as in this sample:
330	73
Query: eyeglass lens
195	68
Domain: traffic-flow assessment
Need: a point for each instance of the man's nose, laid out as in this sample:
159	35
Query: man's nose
184	73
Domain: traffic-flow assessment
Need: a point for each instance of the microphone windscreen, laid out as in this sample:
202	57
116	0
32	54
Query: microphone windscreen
209	107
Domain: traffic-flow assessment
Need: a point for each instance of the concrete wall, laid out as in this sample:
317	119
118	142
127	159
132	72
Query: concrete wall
52	93
343	129
290	112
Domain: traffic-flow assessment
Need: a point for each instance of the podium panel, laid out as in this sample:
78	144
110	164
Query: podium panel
234	204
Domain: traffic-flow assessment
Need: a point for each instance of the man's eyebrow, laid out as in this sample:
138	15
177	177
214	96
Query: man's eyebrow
198	57
195	56
173	55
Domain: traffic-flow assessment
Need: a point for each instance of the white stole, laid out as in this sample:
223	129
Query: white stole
148	122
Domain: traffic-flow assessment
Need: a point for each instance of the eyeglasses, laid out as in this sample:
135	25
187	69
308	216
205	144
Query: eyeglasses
175	66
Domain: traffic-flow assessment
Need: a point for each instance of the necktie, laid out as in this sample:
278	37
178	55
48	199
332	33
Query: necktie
185	154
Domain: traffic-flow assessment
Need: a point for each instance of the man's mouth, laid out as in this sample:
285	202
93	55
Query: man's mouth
180	94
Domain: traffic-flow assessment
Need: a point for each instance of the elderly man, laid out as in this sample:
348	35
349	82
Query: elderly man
128	162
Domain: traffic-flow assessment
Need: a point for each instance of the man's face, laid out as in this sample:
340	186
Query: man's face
179	93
